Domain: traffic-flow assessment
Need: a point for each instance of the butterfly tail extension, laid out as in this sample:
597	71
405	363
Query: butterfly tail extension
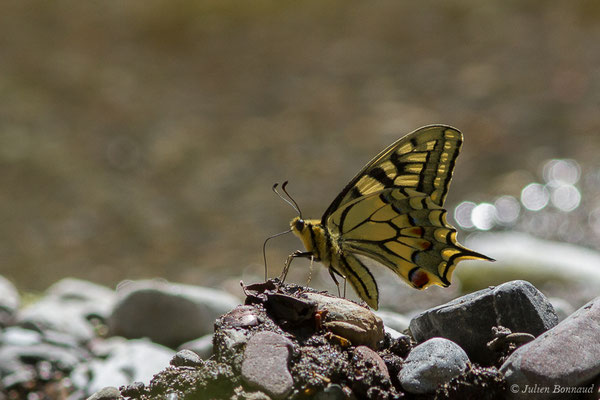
359	277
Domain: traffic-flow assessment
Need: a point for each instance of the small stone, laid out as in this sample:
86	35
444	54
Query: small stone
265	364
203	346
430	364
366	354
107	393
349	320
567	356
17	336
240	317
186	358
145	308
468	320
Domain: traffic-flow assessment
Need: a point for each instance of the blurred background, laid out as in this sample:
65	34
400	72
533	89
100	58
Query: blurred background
141	138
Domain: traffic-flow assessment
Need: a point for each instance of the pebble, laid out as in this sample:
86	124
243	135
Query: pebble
364	353
167	313
107	393
430	364
468	320
265	364
349	320
203	346
186	358
9	301
567	355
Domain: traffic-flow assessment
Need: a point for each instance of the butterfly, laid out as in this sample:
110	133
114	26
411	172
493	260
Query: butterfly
392	212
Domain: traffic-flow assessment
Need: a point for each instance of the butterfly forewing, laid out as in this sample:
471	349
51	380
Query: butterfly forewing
422	160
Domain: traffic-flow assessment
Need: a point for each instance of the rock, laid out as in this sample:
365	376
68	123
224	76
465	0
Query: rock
167	313
17	336
468	320
430	364
107	393
349	320
365	354
241	317
68	307
15	357
186	358
9	301
567	357
126	362
202	346
393	320
265	364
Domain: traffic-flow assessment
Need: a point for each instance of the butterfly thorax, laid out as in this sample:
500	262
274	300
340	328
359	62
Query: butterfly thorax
315	237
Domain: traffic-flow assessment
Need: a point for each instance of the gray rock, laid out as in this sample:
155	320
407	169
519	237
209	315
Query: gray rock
202	346
468	320
265	364
107	393
349	320
169	314
430	364
9	301
127	362
568	355
68	307
186	358
17	336
393	320
14	357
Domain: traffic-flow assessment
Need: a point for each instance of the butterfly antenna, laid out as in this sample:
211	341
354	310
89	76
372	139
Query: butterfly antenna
265	248
296	206
291	201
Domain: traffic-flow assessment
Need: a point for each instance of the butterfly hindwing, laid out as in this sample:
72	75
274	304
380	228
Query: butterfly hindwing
403	230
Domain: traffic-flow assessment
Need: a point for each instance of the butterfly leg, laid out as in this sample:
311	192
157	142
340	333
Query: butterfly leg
332	273
295	254
312	260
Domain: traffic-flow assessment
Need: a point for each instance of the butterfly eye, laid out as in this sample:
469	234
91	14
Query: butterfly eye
300	224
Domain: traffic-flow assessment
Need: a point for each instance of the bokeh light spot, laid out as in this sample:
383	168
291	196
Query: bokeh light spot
507	210
566	197
535	196
483	216
462	214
